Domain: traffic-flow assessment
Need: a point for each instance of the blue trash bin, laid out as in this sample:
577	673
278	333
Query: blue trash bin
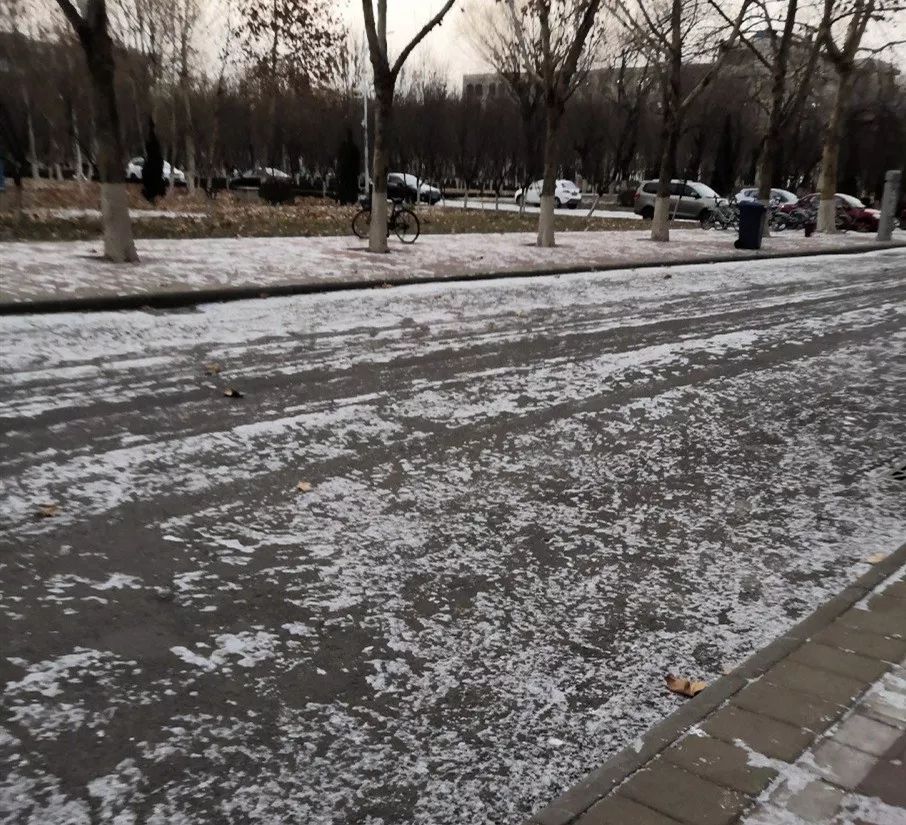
751	225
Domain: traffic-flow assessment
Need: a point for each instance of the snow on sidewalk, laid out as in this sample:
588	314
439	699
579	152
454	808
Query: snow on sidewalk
34	271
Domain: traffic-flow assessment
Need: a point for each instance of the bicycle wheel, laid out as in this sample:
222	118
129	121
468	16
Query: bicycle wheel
406	226
361	223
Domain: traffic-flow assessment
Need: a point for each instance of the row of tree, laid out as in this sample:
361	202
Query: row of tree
607	90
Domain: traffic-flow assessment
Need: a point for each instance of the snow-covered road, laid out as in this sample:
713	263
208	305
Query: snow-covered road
529	499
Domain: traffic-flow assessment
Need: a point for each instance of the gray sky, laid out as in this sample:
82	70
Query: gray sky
446	46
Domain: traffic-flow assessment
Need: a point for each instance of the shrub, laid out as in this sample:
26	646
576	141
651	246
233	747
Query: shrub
277	190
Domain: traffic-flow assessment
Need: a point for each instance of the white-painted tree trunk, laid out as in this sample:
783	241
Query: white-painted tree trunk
660	224
118	244
830	156
546	221
827	215
377	233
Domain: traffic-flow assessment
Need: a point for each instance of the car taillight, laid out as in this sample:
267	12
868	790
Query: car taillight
636	196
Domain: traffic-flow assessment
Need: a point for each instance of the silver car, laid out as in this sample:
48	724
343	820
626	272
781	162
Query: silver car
690	200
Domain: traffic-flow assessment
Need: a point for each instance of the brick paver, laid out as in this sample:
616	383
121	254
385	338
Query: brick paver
819	736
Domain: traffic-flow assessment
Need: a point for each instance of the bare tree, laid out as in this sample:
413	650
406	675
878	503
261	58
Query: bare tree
552	36
674	32
91	27
385	77
789	56
490	29
842	50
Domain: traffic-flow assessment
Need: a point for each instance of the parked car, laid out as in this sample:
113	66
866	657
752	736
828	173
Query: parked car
134	172
409	188
778	196
903	218
856	214
688	199
566	193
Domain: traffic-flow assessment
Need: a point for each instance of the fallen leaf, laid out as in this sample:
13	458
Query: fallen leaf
876	558
212	369
304	486
47	510
684	687
232	392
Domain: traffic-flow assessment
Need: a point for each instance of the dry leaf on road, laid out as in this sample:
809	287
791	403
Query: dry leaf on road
47	510
684	687
304	486
211	369
875	558
232	392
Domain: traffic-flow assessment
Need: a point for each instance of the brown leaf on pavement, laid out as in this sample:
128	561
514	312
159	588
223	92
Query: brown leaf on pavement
304	486
684	687
47	510
876	558
232	392
212	369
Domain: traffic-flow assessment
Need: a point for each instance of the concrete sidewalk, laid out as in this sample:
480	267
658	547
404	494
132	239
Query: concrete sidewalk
55	276
812	729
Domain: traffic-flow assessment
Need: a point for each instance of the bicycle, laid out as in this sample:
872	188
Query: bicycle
724	216
404	222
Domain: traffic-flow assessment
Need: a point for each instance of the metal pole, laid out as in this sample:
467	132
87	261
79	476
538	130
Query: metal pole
889	204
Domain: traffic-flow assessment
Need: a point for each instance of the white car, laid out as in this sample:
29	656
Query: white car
566	193
134	172
779	197
266	172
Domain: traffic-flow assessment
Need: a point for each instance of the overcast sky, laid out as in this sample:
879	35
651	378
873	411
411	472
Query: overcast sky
446	46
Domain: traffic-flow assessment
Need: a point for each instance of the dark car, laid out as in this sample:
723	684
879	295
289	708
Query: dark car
402	186
857	215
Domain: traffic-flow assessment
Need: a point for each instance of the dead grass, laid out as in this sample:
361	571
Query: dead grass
231	216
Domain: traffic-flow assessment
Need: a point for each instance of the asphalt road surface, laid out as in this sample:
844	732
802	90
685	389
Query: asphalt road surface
528	500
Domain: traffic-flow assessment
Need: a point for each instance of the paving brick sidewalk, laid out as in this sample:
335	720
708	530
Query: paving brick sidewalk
811	730
71	275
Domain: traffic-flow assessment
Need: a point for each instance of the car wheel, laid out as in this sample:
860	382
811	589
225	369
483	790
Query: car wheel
574	205
648	213
558	204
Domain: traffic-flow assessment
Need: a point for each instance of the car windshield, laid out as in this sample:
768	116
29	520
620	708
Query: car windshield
705	191
784	195
849	200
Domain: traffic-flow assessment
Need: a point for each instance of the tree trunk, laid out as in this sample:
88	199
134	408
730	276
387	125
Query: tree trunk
827	185
549	183
660	225
30	127
190	142
118	243
377	238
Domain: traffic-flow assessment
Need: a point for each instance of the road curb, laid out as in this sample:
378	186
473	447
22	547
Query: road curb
178	299
600	782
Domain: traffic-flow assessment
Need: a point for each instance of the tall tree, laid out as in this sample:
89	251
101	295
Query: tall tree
385	78
491	31
289	44
675	32
552	36
842	50
789	56
92	29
